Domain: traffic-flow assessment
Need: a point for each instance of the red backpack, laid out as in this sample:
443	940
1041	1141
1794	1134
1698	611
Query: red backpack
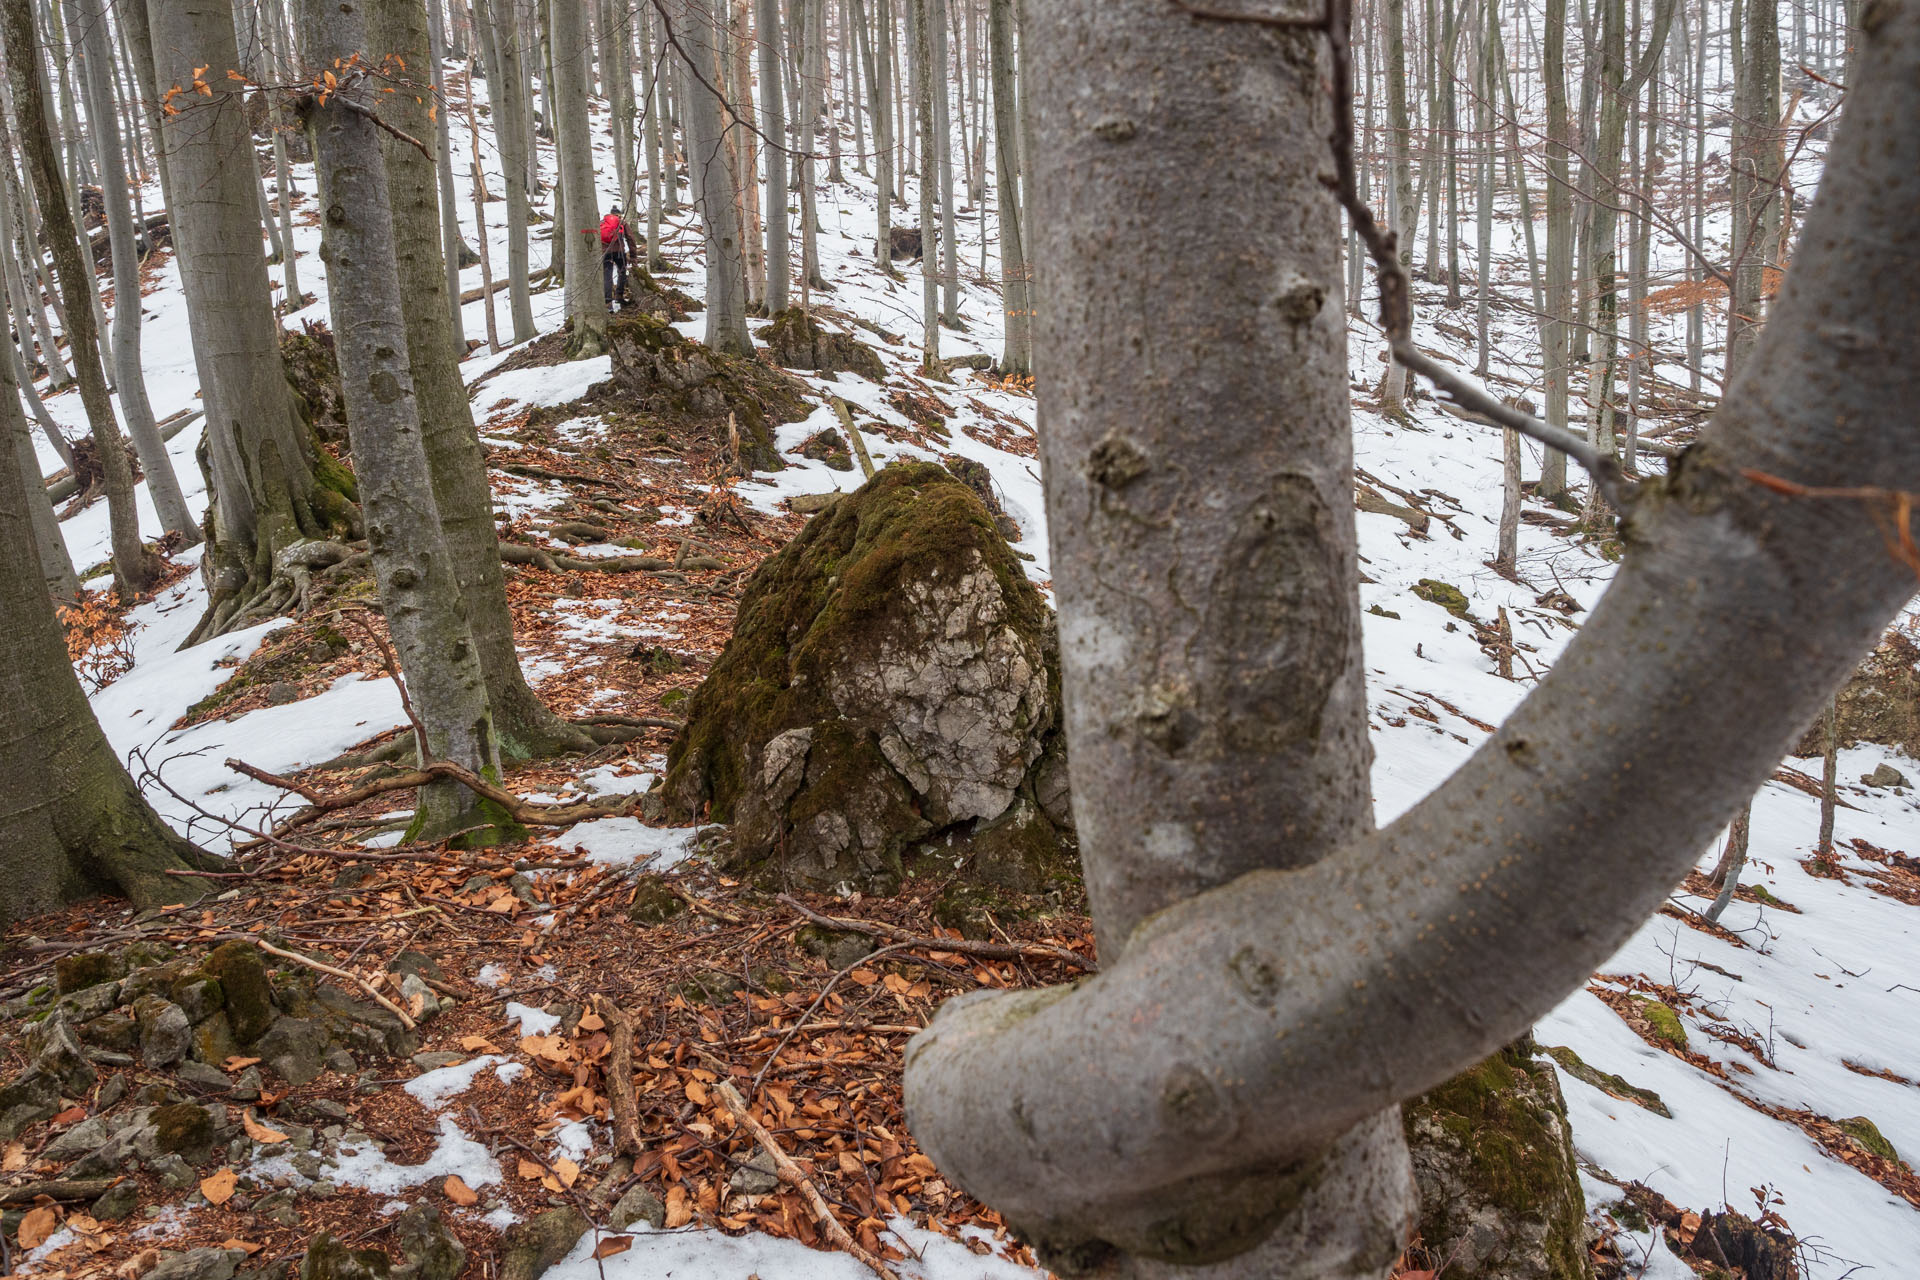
610	229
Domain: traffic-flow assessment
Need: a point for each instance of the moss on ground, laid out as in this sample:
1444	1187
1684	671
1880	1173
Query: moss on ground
1664	1023
1867	1135
1607	1082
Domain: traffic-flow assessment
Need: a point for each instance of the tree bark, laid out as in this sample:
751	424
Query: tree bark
419	592
1017	356
713	193
773	123
573	157
500	47
72	823
920	81
1159	1108
1555	356
163	488
134	567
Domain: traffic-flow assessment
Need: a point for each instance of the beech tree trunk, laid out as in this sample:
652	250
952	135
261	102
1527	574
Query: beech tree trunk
162	486
1555	355
713	192
573	156
1196	1103
1016	289
500	47
419	592
72	823
773	123
134	567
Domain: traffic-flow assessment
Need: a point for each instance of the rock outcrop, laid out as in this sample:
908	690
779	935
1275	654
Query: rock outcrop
1499	1190
798	341
659	373
891	686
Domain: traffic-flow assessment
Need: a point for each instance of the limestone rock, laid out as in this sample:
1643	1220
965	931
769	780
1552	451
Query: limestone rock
166	1033
58	1055
796	340
1499	1190
1885	776
294	1049
430	1251
530	1247
28	1100
638	1205
890	679
87	969
243	979
756	1177
330	1259
184	1129
117	1203
198	1264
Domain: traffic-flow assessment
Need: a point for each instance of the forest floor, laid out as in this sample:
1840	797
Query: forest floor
1795	1015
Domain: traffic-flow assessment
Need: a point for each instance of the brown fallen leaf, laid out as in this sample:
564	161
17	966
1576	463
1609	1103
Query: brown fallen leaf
218	1187
238	1063
246	1246
696	1093
531	1171
257	1131
679	1211
39	1224
138	1265
14	1158
459	1192
478	1044
72	1115
610	1245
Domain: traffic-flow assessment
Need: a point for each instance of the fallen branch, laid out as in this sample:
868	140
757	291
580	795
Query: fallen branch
853	432
959	946
65	1191
626	1106
791	1174
522	811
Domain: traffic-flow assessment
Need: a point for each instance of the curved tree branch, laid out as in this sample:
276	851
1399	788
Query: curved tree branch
1242	1030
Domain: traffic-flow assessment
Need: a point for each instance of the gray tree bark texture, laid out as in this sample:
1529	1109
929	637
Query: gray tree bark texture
72	823
773	123
500	46
1556	342
573	155
49	545
263	494
133	567
1016	358
162	485
713	193
920	85
1176	1105
523	725
419	592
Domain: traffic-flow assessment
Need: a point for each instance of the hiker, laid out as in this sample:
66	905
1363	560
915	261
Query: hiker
615	237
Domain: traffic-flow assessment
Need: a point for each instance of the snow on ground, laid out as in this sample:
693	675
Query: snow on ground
1834	984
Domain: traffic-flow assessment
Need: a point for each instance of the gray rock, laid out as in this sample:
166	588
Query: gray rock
28	1100
638	1205
522	889
434	1061
325	1109
200	996
294	1049
58	1054
418	963
428	1250
117	1203
88	1003
341	1061
323	1190
410	987
166	1033
203	1076
86	1136
248	1087
183	1130
174	1173
279	1206
110	1093
530	1247
330	1259
364	1027
756	1177
1884	776
307	1164
116	1031
198	1264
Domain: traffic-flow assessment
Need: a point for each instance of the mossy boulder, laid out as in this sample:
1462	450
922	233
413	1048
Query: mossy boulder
890	679
1444	594
796	340
86	969
249	998
1499	1189
975	476
529	1248
1867	1136
1663	1024
654	901
1607	1082
830	447
183	1130
660	373
648	296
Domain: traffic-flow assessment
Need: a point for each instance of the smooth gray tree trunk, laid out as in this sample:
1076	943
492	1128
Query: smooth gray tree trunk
713	193
500	46
1016	287
573	156
773	123
419	591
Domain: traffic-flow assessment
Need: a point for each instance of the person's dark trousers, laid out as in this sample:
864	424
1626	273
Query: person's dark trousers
610	264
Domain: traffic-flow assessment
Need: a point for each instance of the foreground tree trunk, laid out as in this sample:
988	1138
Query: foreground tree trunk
72	823
523	725
1198	1099
418	591
134	567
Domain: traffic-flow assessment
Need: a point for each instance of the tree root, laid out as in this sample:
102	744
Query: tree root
521	811
539	558
959	946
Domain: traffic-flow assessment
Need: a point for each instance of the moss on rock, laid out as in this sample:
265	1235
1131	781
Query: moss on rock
889	677
654	902
249	999
185	1130
1607	1082
86	969
1499	1187
1664	1023
1866	1134
1444	594
796	340
658	372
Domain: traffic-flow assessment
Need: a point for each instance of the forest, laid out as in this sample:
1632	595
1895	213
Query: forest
959	639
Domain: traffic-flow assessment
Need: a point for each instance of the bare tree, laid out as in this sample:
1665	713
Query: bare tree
697	50
1222	1095
134	566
